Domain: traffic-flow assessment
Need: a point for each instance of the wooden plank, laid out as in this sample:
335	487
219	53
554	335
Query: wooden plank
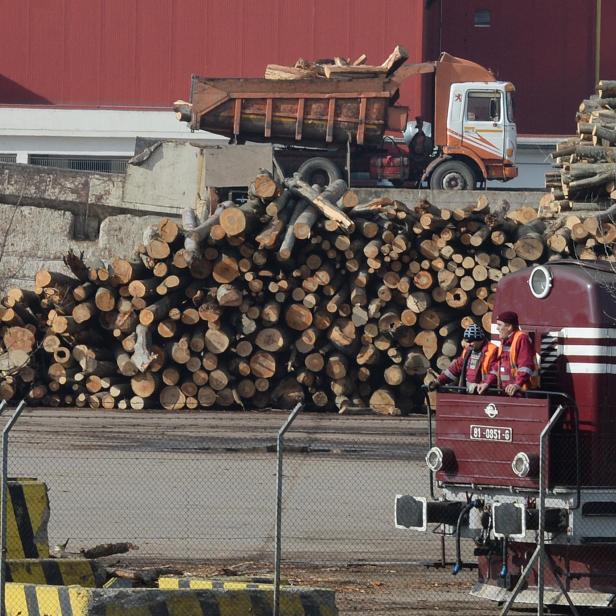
236	116
329	135
361	127
268	118
299	123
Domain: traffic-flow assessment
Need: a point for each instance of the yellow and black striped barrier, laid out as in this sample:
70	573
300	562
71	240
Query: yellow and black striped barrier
174	582
56	572
27	519
40	600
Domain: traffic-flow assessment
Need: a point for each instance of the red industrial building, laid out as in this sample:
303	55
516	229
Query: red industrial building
140	54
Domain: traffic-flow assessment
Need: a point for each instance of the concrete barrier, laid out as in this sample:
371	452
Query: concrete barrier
174	582
27	519
57	572
39	600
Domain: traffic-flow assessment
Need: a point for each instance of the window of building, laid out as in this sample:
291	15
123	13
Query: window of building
483	18
483	107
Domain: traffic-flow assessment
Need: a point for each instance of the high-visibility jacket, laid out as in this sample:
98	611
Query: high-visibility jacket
515	363
460	369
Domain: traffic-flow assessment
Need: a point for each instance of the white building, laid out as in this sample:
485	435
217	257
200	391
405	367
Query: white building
104	139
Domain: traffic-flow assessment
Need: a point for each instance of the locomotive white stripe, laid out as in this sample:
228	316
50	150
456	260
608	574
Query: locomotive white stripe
587	350
576	332
587	332
580	368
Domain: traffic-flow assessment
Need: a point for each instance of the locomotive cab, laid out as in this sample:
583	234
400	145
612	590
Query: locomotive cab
535	474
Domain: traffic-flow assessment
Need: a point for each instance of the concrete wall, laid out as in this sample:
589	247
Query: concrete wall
164	179
34	238
452	199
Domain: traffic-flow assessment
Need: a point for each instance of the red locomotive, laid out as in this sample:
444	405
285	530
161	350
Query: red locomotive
532	479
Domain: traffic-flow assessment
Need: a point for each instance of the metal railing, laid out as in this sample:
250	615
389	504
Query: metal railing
540	551
99	165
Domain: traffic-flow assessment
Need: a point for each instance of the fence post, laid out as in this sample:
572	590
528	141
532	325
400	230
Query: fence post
4	496
279	452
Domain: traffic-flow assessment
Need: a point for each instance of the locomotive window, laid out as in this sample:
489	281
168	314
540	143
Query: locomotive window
540	282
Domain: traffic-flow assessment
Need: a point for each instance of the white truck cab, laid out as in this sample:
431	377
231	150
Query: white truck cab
474	129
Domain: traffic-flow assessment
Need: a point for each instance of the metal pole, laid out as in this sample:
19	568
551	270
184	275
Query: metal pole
278	547
552	566
518	587
3	507
597	41
539	552
542	490
541	546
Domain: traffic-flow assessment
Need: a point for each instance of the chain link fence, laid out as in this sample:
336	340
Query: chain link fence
195	493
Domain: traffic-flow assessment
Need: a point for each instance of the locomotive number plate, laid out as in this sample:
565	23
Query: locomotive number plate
491	433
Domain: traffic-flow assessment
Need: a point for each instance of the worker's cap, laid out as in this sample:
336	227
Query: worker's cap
509	317
473	333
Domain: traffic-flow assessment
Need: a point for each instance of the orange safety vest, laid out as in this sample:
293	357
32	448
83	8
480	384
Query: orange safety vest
488	356
533	383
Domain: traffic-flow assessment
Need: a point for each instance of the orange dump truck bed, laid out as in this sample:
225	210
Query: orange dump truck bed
302	112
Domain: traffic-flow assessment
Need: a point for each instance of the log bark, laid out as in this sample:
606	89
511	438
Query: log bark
321	202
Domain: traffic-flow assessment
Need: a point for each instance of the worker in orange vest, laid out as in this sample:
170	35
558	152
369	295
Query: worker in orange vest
513	368
471	368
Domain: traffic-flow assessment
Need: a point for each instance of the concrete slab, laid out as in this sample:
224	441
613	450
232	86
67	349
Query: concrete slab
452	199
121	235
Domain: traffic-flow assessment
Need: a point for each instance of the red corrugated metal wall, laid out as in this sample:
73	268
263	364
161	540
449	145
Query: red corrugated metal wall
545	47
143	52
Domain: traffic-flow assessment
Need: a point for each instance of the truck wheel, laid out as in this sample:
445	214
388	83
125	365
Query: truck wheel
319	170
452	175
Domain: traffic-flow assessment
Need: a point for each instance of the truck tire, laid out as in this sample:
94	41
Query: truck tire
452	175
319	170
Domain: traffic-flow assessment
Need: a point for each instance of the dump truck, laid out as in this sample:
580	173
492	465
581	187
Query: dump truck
352	127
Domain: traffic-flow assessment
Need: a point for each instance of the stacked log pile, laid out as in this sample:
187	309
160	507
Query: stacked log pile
295	295
584	178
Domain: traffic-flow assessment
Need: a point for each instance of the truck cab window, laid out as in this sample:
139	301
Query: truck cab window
483	107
